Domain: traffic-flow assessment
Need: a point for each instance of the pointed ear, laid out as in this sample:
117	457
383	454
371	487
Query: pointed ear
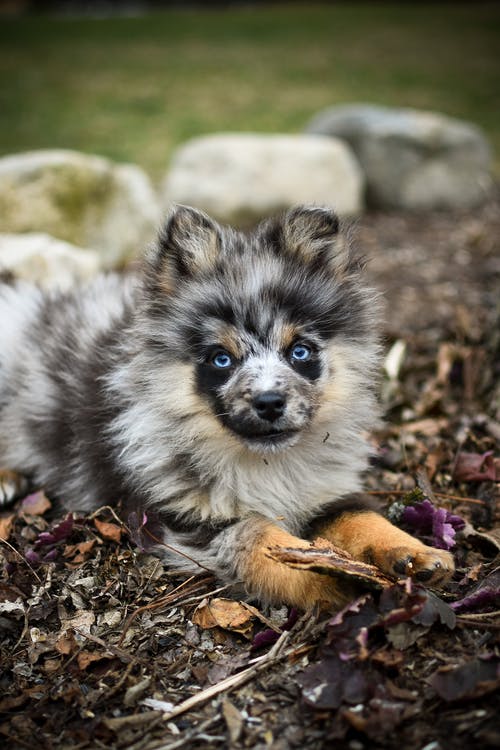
311	233
188	244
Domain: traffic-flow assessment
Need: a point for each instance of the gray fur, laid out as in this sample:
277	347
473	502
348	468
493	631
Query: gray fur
106	395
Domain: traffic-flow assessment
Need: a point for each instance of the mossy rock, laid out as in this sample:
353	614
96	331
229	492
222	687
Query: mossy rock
85	200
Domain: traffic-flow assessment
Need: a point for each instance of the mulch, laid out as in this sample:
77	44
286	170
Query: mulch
102	646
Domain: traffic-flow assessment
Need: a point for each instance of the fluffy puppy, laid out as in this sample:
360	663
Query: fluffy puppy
225	389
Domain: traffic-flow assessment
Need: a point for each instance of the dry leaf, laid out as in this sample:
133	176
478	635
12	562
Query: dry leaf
6	524
233	719
108	530
86	658
36	504
81	622
78	552
224	613
51	665
476	467
66	643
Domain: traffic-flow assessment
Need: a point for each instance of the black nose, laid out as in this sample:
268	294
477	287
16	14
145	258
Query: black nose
269	405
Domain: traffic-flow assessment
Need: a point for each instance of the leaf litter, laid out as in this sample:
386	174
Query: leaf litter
102	646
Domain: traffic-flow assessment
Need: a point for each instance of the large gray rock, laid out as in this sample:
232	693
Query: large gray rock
241	178
412	159
46	261
85	200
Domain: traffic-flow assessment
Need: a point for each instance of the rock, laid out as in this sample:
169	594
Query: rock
412	159
85	200
46	261
241	178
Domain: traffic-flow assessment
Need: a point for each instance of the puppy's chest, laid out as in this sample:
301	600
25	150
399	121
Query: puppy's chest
288	492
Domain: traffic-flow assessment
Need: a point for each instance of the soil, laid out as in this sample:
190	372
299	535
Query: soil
102	647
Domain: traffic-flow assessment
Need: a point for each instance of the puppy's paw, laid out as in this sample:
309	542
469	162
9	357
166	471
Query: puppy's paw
425	564
12	486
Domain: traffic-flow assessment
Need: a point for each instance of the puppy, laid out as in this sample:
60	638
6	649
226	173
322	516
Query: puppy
225	389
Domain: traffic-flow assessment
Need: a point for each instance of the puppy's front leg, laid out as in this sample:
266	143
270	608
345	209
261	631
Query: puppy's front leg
273	581
240	552
369	537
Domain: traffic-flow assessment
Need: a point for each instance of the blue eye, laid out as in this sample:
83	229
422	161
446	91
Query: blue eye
300	353
222	360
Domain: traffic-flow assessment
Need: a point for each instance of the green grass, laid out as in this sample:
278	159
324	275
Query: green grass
134	88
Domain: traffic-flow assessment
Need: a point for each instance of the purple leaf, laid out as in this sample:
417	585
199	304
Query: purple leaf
437	525
268	637
484	596
59	533
469	680
348	630
410	602
32	557
435	609
476	467
329	683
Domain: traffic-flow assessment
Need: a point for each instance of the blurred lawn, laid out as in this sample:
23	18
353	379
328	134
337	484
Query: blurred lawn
134	88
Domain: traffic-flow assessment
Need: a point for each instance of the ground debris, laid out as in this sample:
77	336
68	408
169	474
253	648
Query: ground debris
102	646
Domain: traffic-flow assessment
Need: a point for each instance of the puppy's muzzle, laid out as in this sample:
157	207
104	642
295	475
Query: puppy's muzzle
269	405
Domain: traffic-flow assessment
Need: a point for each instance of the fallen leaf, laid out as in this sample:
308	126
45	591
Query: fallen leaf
380	716
36	504
86	658
82	621
108	530
78	552
223	613
486	543
269	636
331	682
233	719
51	665
389	658
6	524
59	533
476	467
484	596
469	680
13	609
66	643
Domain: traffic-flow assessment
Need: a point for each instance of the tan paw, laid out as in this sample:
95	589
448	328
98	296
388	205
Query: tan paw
425	564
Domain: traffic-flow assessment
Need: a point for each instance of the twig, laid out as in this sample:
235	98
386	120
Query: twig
256	613
113	513
477	624
480	615
186	736
116	688
174	549
152	718
193	599
135	720
235	680
442	495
